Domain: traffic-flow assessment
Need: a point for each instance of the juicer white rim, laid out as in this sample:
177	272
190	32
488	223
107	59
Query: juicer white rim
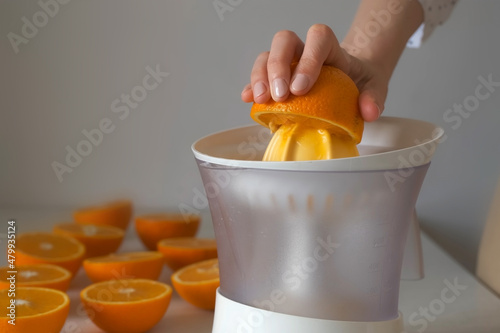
382	161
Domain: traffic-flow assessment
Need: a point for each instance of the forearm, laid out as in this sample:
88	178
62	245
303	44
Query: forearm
380	30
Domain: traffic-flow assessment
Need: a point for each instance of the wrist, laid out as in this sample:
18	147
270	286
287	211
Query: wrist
380	31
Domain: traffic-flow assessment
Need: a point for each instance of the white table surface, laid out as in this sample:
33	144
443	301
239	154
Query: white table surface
474	310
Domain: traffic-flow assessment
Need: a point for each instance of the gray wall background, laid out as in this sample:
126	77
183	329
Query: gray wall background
65	78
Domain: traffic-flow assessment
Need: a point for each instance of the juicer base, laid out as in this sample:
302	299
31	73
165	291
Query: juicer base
231	316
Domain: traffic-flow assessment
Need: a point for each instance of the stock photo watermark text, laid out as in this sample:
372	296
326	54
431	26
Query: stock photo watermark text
427	314
95	136
453	117
30	27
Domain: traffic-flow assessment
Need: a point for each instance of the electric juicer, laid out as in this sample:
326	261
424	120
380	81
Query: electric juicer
315	246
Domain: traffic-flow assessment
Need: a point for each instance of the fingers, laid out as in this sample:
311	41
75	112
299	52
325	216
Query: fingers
371	103
286	47
271	71
247	94
258	79
372	85
271	75
321	47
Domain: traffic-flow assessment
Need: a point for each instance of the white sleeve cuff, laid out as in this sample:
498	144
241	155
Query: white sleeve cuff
436	12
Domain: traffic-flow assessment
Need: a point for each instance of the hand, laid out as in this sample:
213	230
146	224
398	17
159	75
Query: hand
271	76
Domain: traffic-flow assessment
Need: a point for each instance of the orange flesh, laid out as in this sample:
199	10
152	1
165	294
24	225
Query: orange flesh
39	273
127	257
89	230
51	246
33	301
188	243
125	291
206	271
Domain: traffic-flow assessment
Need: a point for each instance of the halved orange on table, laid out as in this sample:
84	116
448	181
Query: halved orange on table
126	306
128	265
324	123
37	275
36	310
183	251
198	283
154	227
49	248
116	213
99	240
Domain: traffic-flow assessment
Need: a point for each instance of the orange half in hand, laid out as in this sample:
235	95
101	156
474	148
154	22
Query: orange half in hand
36	310
99	240
126	306
47	248
198	283
131	265
116	213
183	251
155	227
322	124
38	275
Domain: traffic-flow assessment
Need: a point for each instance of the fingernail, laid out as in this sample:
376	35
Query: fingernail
379	110
300	82
259	89
279	88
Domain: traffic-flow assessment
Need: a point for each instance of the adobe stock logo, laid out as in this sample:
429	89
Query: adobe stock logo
224	6
30	28
428	314
122	107
454	117
293	278
484	89
380	19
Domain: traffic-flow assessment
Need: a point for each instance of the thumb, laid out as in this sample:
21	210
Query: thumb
371	102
